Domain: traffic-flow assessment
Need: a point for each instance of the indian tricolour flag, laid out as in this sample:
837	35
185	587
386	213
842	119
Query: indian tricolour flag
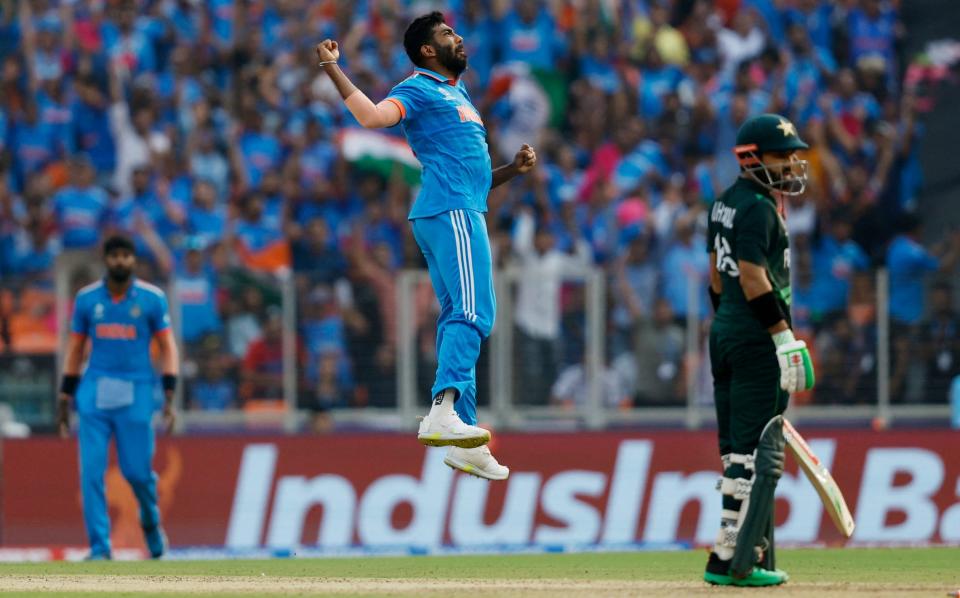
374	151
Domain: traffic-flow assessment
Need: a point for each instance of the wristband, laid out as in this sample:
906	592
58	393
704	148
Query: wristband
783	337
714	298
169	382
323	62
68	385
767	309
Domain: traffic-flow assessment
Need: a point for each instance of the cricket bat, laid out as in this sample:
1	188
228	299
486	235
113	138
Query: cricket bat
821	479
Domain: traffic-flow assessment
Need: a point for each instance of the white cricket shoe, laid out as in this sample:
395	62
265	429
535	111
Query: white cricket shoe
447	429
476	461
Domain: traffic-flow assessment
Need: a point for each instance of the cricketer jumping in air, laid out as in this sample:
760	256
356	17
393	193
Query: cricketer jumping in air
755	359
447	134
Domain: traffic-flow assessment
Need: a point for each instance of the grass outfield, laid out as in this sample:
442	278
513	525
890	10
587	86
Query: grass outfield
821	573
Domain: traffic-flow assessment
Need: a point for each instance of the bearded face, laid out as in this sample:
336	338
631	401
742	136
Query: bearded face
452	57
120	263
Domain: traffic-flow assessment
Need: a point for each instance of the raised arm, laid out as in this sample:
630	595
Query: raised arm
372	116
29	37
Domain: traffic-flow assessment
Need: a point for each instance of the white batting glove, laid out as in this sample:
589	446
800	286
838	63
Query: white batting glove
796	367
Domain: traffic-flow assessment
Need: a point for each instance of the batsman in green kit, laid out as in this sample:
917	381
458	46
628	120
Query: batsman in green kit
755	359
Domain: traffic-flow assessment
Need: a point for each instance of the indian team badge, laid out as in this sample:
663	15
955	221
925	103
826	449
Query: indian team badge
98	311
135	311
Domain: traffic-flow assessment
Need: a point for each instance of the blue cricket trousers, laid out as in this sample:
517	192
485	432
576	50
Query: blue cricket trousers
131	426
457	250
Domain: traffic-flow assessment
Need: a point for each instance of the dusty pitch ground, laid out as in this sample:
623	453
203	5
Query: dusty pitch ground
200	585
817	573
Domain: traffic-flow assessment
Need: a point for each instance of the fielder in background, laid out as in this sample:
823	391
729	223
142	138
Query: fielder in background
447	135
115	396
756	360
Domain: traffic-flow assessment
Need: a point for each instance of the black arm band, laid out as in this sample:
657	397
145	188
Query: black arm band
714	298
767	309
169	382
69	384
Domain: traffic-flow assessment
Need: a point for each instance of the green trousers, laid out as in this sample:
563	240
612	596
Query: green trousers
746	386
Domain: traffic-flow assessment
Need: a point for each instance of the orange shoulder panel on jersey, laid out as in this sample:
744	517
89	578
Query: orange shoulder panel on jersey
399	104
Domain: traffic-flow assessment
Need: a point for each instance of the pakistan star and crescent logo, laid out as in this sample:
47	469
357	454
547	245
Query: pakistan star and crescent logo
787	127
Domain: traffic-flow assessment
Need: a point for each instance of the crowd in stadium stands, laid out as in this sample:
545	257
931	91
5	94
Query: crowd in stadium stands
205	130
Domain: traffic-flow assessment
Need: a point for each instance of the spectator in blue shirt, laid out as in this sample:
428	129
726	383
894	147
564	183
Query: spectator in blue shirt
634	287
206	162
80	209
531	36
478	33
805	74
316	257
317	158
221	17
274	205
814	16
56	113
657	81
206	217
908	261
128	45
91	126
597	67
872	31
260	151
835	259
32	143
196	294
686	263
34	250
213	389
185	18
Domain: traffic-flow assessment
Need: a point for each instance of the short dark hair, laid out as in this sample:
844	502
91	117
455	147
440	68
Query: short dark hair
419	33
116	242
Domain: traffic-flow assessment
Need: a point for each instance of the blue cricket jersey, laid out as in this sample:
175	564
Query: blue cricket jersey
120	328
908	262
80	212
445	132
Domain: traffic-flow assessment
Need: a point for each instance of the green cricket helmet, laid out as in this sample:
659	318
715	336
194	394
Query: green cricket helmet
772	133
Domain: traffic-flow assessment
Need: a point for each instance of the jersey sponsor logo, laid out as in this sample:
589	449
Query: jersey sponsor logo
116	332
469	114
723	214
725	262
447	95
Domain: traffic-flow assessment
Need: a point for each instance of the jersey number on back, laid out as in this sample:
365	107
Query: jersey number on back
725	262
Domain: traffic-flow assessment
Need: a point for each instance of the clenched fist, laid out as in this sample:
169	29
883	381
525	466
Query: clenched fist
328	51
525	159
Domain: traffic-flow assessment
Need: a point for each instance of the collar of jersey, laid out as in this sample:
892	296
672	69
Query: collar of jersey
119	298
758	189
434	75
